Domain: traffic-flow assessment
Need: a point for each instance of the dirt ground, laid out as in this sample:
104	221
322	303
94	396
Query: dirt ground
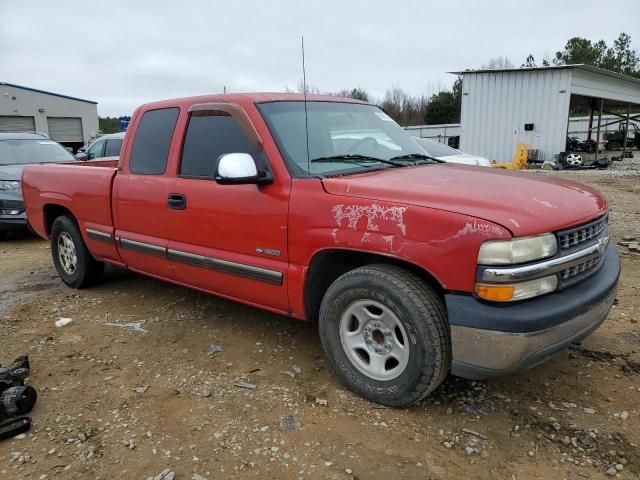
564	419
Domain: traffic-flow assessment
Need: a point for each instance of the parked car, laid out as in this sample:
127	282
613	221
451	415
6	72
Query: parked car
104	146
413	268
450	155
16	151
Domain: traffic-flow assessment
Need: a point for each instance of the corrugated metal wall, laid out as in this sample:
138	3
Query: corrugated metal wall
497	105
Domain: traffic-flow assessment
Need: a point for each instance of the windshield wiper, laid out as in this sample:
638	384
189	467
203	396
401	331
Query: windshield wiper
353	158
417	156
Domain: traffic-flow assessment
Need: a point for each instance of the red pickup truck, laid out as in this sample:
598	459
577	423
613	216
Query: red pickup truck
327	211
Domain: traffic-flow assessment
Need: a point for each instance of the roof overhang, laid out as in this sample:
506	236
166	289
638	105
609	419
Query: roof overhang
21	87
616	89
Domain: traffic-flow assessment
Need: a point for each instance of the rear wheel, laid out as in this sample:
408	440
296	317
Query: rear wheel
71	257
386	334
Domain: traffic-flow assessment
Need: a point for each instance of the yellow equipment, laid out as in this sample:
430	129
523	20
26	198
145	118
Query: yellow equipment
519	161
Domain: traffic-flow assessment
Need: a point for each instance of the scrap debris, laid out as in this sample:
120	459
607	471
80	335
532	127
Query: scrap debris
62	322
214	350
243	384
135	326
632	243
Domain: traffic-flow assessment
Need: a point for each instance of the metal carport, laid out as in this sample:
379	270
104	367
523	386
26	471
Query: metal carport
501	108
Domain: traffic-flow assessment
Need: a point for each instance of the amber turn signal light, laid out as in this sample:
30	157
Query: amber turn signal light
495	293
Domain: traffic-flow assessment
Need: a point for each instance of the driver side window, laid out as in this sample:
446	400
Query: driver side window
96	150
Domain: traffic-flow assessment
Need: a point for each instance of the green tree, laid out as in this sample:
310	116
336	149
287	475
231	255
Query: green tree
620	57
357	93
444	107
108	124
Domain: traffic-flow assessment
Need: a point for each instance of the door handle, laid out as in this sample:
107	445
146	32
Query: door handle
177	201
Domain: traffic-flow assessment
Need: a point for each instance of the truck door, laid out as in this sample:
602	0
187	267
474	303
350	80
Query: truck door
140	194
227	239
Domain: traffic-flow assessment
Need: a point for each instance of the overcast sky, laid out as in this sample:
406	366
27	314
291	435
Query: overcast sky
126	53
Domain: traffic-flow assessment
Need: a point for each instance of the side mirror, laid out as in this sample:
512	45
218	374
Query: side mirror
237	169
82	156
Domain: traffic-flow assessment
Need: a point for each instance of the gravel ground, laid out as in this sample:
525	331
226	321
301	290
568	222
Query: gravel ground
120	401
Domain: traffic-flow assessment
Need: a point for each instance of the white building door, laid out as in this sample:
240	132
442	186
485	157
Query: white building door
65	129
17	124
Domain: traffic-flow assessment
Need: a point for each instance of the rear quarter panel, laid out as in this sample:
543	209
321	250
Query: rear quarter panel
82	188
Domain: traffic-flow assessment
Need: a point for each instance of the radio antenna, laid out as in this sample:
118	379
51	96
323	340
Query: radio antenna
306	113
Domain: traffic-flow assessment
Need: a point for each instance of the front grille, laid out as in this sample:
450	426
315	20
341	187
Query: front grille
11	205
584	267
579	235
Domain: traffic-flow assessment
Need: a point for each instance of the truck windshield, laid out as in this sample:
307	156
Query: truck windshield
346	136
23	152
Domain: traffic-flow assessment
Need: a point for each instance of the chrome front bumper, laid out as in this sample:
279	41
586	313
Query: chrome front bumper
490	341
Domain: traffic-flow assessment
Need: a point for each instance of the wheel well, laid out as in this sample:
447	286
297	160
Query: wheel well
327	266
51	212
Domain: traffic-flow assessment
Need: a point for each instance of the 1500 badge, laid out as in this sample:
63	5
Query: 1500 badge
269	251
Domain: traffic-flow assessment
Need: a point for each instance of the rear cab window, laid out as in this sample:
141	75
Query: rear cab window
150	149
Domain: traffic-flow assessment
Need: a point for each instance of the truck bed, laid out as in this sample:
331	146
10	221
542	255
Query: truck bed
83	188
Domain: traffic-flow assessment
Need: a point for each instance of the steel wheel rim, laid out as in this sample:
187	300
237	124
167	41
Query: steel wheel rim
67	253
374	340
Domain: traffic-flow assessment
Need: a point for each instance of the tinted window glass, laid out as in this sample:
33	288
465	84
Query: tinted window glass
151	144
207	138
113	147
96	150
24	152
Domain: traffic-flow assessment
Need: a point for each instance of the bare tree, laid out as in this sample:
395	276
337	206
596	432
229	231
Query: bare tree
498	63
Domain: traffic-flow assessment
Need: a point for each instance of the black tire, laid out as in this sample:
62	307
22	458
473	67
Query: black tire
422	315
3	235
87	270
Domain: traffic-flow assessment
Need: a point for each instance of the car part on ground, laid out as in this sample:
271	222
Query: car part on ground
574	160
16	398
574	144
13	427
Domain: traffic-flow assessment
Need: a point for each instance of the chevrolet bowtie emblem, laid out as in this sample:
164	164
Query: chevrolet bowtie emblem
602	244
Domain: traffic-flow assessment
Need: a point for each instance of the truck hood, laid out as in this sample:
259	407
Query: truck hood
525	203
11	172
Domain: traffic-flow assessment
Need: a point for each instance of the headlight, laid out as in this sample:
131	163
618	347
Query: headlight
10	185
517	291
517	250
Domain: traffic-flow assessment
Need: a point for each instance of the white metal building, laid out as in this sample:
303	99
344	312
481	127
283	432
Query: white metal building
501	108
69	120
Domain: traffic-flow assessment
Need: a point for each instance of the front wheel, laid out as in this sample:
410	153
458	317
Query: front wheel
386	334
71	257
